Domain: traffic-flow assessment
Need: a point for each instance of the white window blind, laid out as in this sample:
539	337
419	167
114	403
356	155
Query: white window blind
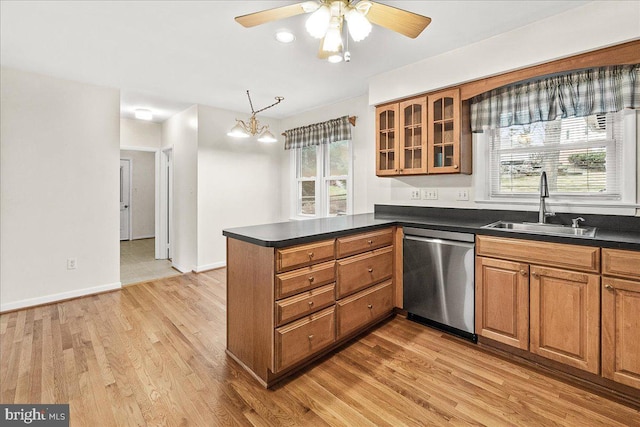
582	157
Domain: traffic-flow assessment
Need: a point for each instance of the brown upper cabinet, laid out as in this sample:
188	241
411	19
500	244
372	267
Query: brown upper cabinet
423	135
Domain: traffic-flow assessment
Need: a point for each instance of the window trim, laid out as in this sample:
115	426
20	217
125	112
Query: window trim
626	205
321	179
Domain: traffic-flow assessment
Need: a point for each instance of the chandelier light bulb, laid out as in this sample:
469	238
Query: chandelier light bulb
267	136
238	131
359	25
318	22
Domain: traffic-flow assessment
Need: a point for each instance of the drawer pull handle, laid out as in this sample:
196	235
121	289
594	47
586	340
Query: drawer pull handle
523	272
370	242
310	255
310	337
310	303
455	166
311	279
369	306
370	270
608	287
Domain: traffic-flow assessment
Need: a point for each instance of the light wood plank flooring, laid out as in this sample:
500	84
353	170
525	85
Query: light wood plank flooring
154	354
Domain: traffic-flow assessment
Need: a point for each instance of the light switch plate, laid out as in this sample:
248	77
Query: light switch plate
429	194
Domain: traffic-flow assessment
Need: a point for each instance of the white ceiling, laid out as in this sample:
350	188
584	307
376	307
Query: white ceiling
168	55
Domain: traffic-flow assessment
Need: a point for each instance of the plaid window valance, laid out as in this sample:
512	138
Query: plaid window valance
319	133
580	93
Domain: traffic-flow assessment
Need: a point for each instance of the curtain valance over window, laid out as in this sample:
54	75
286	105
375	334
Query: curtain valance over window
319	133
580	93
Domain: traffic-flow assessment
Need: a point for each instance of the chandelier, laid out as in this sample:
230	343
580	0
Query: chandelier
245	130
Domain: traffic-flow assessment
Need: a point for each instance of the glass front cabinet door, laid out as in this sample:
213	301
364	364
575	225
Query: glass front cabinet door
444	132
413	136
387	125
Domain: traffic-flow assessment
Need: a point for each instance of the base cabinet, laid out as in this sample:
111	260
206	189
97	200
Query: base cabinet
288	306
621	317
551	312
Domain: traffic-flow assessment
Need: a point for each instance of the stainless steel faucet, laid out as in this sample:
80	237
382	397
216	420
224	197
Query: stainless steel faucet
544	193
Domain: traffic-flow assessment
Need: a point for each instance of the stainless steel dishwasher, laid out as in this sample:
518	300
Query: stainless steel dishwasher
438	279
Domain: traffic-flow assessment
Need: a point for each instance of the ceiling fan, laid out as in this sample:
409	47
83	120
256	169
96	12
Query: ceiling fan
327	18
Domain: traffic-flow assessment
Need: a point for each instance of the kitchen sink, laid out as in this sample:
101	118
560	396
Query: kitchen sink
537	228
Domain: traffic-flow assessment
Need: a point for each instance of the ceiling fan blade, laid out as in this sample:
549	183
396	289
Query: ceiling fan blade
257	18
401	21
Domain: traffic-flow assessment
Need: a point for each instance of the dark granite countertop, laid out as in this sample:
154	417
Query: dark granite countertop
613	231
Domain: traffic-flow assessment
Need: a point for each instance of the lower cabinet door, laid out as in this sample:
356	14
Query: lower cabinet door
303	338
502	301
565	317
621	331
364	307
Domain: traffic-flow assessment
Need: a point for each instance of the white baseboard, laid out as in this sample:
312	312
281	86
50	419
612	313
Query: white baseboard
149	236
47	299
201	268
182	269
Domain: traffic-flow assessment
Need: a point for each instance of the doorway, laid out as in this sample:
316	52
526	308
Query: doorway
145	205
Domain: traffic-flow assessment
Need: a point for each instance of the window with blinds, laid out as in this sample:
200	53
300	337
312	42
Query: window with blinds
582	157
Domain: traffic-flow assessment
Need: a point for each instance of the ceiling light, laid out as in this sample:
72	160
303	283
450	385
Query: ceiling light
143	114
245	130
334	59
333	38
267	137
285	36
318	22
359	26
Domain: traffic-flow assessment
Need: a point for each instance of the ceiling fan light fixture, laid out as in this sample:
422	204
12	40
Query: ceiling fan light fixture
310	6
318	23
359	25
333	38
238	131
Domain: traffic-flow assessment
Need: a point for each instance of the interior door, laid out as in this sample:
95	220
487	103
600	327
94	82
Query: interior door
125	193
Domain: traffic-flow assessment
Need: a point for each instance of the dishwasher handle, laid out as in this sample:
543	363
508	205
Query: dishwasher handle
440	241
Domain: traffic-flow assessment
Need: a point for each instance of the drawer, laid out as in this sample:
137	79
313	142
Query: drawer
363	308
583	258
361	271
303	255
304	304
351	245
303	279
616	262
303	338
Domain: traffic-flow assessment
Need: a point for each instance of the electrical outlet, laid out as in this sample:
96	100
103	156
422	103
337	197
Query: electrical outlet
462	194
415	194
430	194
72	263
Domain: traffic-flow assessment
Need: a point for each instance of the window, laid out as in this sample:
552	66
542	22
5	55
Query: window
582	156
322	180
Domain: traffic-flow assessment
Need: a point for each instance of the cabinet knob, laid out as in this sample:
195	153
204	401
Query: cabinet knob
534	274
608	287
311	279
310	303
455	166
310	255
523	272
370	270
310	337
369	306
370	242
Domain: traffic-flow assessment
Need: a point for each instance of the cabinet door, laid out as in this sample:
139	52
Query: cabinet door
502	301
565	317
387	126
413	136
444	132
621	331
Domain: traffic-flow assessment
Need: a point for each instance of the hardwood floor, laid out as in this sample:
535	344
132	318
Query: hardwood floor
154	354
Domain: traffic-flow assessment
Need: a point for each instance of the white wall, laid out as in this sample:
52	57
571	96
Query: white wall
363	154
181	133
239	181
140	134
143	193
589	27
58	189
